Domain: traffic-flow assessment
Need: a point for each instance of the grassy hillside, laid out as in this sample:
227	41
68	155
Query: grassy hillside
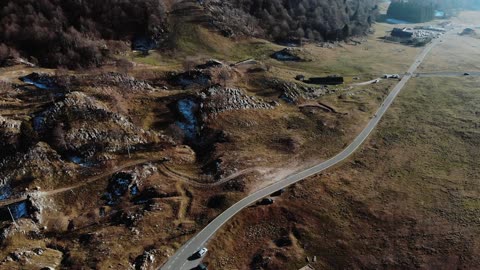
408	199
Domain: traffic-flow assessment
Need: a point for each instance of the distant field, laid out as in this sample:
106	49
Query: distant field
371	57
457	53
468	18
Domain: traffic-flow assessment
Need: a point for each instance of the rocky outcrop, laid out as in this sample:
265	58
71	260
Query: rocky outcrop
189	79
291	92
128	182
85	125
40	162
119	80
291	54
9	133
146	261
219	99
9	125
32	258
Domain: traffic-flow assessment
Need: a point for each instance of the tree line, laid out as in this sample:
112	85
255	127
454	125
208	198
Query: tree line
412	11
311	19
74	33
83	33
417	11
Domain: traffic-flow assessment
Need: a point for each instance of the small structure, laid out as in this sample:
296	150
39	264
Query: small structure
391	76
210	64
468	32
287	54
419	36
144	44
330	80
300	77
404	33
440	14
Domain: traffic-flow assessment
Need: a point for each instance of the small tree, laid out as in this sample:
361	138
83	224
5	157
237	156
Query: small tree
58	137
63	78
5	87
28	136
189	63
123	66
224	76
178	135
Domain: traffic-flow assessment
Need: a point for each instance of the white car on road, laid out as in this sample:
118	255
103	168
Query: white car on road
201	252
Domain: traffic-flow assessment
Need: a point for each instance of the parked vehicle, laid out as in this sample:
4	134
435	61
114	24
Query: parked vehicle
278	193
201	252
200	267
391	76
265	201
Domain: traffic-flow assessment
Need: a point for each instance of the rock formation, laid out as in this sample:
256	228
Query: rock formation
219	99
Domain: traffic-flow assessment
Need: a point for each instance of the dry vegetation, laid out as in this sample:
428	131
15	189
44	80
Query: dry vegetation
78	226
75	219
407	200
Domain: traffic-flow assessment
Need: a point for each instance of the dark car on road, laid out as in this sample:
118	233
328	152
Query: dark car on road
278	193
199	254
265	201
200	267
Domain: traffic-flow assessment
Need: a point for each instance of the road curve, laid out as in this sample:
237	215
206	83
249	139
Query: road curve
179	261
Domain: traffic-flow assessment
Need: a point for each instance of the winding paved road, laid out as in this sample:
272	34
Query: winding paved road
179	261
